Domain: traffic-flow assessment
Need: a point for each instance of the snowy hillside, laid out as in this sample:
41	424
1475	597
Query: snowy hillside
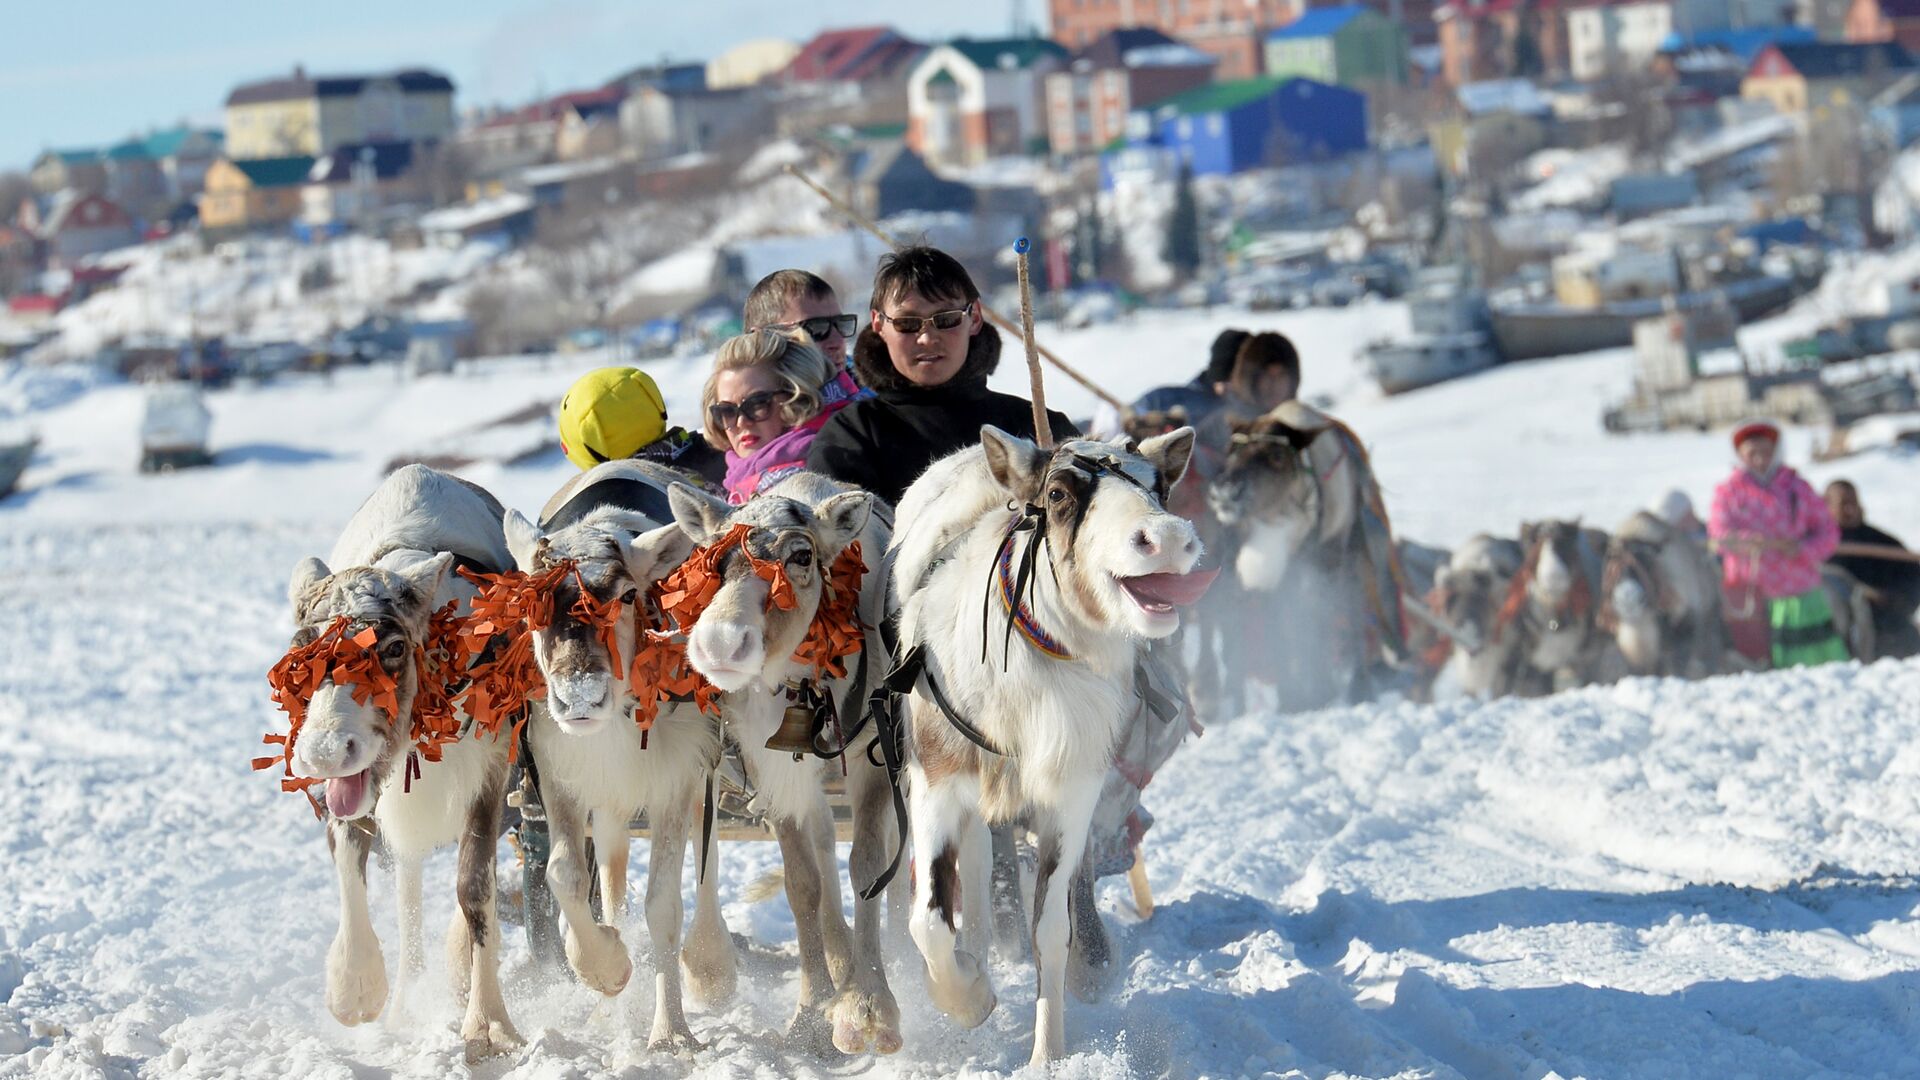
1651	880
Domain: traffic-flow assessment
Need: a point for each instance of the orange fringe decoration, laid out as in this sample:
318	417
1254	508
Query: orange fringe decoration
350	662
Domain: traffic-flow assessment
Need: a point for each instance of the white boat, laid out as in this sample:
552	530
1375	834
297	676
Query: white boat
1449	336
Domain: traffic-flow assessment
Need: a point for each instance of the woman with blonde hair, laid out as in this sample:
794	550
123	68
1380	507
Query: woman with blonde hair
767	398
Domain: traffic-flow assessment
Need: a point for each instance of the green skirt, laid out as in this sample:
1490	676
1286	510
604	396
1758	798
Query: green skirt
1803	632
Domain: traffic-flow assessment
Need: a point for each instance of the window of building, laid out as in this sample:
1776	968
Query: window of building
1214	126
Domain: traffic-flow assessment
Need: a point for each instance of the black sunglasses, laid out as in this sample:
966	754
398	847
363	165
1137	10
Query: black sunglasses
753	408
821	327
941	320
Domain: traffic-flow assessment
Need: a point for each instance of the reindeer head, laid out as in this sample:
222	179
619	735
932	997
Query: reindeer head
742	635
350	743
1266	477
1122	561
1554	550
617	554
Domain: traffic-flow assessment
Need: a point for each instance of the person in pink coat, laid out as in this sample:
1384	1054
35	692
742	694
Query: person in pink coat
768	396
1772	532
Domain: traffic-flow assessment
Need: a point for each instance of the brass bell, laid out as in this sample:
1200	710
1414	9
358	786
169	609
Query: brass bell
796	724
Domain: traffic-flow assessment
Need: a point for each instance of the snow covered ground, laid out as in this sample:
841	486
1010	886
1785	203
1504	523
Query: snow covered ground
1653	880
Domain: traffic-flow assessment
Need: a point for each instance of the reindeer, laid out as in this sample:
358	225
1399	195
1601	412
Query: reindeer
1089	568
1551	605
745	645
388	575
1468	592
1315	553
595	762
1660	601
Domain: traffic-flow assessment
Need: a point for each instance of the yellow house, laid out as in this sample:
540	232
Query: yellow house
310	115
249	194
1801	76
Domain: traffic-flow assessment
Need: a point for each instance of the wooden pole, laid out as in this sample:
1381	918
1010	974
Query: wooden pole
1042	430
1878	551
992	316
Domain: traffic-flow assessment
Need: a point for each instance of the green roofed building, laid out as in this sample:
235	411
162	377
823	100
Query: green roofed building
968	101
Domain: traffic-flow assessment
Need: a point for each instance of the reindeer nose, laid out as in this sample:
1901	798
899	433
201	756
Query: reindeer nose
1145	543
742	648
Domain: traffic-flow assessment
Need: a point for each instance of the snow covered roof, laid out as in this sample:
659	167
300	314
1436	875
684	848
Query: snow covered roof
474	214
1503	96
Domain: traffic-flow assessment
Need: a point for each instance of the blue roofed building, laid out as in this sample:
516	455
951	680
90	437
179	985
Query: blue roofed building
1246	124
1351	45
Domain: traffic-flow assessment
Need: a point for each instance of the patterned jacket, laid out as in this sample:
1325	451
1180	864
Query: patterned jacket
1783	507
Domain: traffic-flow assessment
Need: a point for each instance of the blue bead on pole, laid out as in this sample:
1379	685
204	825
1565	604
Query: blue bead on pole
1020	246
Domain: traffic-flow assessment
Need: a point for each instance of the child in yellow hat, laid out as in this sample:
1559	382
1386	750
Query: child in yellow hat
618	412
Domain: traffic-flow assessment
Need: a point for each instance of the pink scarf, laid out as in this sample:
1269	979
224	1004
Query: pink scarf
786	454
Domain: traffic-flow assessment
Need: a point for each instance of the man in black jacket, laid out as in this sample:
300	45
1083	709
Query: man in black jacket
926	355
1895	584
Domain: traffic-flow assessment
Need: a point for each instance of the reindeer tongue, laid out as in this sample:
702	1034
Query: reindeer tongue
1179	589
345	794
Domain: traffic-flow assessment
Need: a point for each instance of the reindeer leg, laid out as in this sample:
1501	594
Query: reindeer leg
485	1028
665	864
595	952
612	845
413	953
979	864
942	814
833	917
1063	844
799	852
865	1015
356	973
1090	967
708	956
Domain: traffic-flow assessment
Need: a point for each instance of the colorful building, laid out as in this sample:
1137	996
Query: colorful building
1251	123
1352	45
1088	102
307	116
1233	32
252	194
1800	77
968	101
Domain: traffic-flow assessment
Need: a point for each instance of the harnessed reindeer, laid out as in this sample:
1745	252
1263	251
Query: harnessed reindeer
606	538
755	644
1081	561
1660	601
1550	608
365	661
1468	593
1315	544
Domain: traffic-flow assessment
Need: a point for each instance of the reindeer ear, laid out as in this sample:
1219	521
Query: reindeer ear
1015	464
426	575
842	517
654	554
308	572
1170	453
699	515
523	539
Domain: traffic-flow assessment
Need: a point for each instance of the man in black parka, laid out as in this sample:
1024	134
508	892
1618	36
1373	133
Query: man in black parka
926	355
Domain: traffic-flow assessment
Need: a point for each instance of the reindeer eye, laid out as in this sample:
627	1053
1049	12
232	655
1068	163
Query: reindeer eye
393	650
1057	494
802	558
630	596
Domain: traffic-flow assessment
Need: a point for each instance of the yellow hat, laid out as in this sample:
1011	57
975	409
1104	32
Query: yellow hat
610	413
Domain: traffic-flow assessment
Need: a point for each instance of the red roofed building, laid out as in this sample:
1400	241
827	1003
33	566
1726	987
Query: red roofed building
580	123
1501	39
855	55
1885	20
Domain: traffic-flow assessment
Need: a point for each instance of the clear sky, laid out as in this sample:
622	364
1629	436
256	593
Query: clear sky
89	73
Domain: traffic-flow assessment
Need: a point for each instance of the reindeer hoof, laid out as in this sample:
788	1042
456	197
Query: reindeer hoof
809	1033
489	1039
356	984
711	969
865	1022
600	959
679	1043
969	999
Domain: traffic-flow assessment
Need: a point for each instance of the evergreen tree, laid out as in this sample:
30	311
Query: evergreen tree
1182	248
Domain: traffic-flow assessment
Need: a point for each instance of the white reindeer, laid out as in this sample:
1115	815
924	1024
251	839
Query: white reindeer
1662	601
1470	589
1099	567
390	574
593	760
745	646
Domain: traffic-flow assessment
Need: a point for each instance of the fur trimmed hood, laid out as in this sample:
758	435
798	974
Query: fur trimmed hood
875	368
